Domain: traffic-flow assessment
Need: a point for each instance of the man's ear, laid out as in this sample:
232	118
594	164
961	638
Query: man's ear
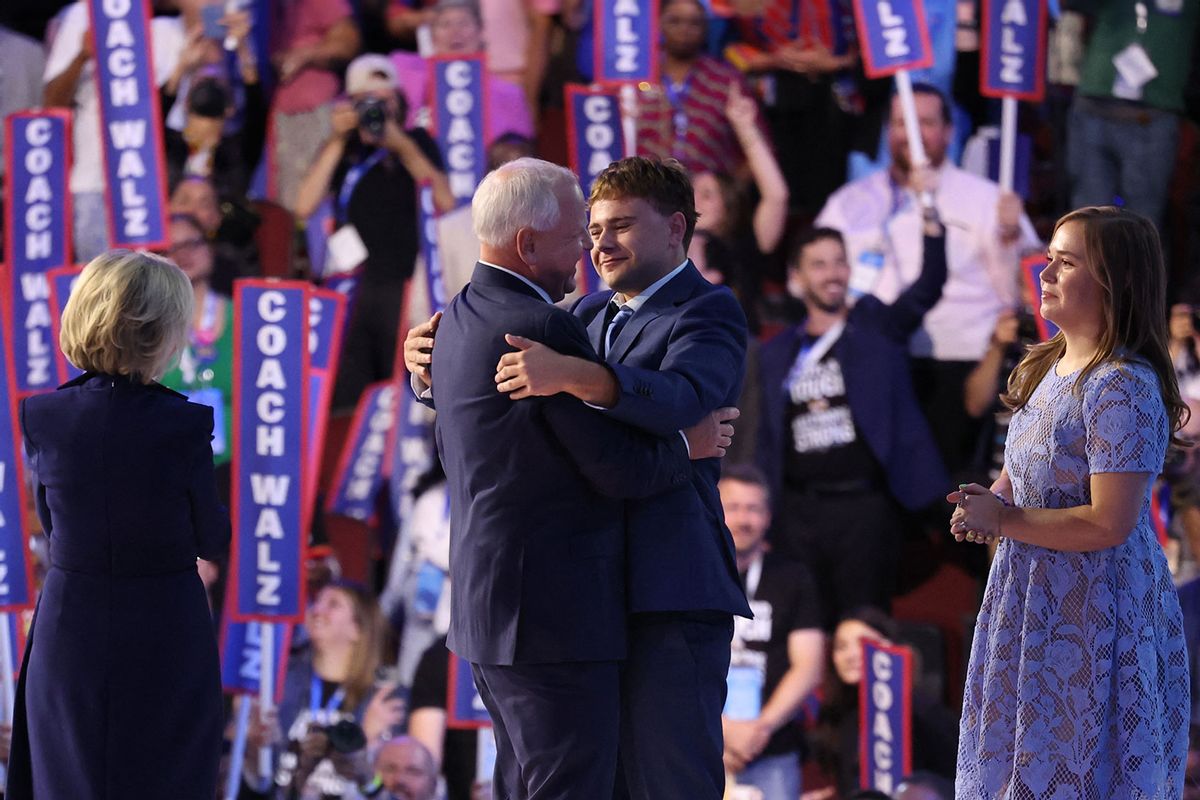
526	248
677	225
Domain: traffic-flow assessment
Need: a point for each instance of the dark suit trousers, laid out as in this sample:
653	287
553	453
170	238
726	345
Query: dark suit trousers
556	728
672	692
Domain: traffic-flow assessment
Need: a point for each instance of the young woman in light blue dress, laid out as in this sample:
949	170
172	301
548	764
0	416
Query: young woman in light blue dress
1078	678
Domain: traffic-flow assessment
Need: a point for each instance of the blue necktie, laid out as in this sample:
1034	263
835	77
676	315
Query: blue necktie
624	312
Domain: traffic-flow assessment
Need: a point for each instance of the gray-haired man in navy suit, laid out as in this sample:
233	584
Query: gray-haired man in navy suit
674	349
537	542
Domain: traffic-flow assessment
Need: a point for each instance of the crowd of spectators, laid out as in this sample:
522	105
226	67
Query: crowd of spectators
887	302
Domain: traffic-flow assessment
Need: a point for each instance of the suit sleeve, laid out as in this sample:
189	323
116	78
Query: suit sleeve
904	316
210	519
703	368
39	490
617	460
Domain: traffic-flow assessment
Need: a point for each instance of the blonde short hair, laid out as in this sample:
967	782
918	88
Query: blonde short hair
129	314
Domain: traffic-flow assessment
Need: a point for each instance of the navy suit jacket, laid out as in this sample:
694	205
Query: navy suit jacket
873	351
681	356
537	556
122	649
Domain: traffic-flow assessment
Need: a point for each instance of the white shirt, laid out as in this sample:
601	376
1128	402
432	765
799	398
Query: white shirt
882	222
167	40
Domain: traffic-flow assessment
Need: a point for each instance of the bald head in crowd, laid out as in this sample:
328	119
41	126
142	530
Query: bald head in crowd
407	769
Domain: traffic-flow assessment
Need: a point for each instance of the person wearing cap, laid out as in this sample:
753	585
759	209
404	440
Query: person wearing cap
456	28
370	168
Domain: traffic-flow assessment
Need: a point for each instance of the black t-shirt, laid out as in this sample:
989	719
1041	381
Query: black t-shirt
784	601
383	207
822	442
431	685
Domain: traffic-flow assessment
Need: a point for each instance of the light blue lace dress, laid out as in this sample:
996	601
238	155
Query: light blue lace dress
1078	684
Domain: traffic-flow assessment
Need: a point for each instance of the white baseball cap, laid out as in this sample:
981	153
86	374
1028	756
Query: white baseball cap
370	72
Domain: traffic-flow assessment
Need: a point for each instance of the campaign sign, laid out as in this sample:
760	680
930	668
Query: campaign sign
594	135
1031	274
38	225
361	467
434	279
464	706
61	281
131	124
1013	61
326	312
270	415
885	716
893	36
241	656
16	568
626	41
459	95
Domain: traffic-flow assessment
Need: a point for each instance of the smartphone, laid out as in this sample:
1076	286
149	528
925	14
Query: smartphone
210	16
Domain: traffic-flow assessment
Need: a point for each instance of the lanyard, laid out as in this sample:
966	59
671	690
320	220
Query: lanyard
353	176
206	334
314	697
753	576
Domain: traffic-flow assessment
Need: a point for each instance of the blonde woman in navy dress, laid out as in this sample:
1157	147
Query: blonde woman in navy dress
120	690
1078	678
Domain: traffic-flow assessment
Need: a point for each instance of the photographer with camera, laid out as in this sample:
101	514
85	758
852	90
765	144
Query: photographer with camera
334	714
371	168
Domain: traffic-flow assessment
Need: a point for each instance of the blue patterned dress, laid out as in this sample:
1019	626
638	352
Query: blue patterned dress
1078	683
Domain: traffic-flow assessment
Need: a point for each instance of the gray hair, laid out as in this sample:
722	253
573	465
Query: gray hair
521	193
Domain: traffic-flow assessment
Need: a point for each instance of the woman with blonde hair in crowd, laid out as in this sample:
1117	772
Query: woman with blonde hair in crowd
334	709
1078	678
120	691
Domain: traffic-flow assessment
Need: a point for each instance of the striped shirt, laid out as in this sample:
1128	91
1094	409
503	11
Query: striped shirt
687	121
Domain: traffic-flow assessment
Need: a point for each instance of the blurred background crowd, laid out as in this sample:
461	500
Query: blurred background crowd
287	120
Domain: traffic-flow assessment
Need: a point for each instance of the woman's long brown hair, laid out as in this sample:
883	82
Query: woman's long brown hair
1124	255
368	650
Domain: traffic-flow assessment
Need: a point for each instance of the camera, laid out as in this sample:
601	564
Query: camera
372	116
345	736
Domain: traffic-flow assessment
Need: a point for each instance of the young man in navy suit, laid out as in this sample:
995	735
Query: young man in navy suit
674	349
537	543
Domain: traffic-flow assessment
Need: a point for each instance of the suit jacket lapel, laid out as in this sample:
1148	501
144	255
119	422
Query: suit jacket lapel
676	291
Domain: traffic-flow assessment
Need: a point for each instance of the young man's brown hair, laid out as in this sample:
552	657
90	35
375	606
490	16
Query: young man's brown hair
665	185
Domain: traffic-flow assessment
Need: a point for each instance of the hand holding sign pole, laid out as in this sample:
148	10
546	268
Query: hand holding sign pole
895	39
1012	67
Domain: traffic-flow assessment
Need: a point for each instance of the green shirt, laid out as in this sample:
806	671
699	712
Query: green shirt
205	369
1168	40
